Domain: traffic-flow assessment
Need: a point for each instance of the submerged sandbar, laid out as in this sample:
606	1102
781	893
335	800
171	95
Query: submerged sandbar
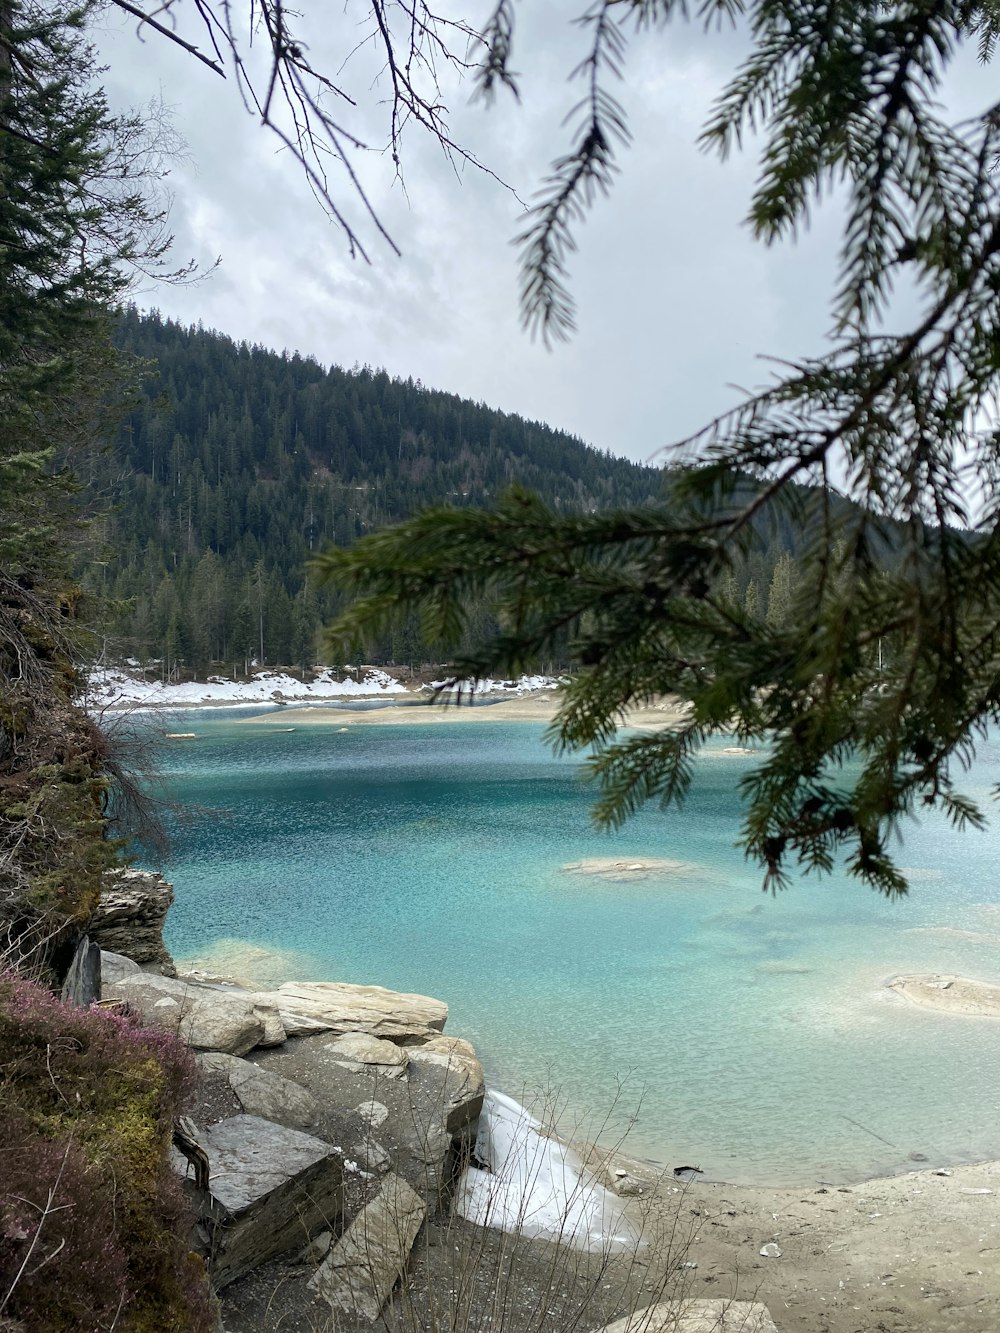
953	995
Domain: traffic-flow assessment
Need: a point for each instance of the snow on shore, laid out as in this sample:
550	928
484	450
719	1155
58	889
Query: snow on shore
110	687
532	1185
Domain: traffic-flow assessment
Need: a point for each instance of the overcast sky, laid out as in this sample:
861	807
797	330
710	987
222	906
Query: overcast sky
677	303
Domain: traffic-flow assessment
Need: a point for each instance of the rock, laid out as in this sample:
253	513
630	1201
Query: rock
82	985
262	1093
373	1113
770	1251
360	1050
336	1006
461	1087
317	1249
129	917
702	1316
918	1157
209	1018
115	966
269	1189
450	1046
359	1273
371	1156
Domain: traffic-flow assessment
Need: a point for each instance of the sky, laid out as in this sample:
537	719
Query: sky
679	307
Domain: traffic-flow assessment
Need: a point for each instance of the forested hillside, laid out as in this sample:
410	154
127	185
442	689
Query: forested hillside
242	462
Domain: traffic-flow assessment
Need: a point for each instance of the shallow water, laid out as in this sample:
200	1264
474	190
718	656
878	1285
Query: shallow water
753	1033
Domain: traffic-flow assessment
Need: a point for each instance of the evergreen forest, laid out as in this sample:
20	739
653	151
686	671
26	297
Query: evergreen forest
239	464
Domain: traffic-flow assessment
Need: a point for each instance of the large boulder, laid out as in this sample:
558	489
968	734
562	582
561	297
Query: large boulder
308	1007
261	1093
358	1275
208	1018
460	1087
697	1316
360	1051
129	917
269	1190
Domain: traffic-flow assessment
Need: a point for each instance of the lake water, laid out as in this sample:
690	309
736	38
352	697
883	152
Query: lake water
749	1034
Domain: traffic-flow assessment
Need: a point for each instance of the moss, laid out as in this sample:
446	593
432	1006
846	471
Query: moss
87	1104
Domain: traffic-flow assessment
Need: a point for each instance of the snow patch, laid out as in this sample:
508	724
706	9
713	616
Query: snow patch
523	685
111	687
536	1186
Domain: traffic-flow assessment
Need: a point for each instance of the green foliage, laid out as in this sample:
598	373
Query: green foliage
88	1198
242	463
869	671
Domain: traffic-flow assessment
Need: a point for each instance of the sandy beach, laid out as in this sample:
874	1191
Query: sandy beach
919	1251
539	706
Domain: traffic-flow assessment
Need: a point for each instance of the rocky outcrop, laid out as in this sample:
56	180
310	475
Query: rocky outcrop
358	1275
270	1188
129	917
338	1007
208	1018
262	1093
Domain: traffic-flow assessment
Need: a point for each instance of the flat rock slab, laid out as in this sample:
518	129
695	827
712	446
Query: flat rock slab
708	1316
270	1189
336	1006
261	1093
359	1273
208	1018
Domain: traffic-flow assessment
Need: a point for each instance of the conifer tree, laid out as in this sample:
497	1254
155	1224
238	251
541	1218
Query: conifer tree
902	418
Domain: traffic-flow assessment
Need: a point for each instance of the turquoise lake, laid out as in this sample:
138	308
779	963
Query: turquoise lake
749	1034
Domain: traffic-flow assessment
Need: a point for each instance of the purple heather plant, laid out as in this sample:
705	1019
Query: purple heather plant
93	1224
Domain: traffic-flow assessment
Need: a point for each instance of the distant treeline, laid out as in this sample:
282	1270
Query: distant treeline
240	463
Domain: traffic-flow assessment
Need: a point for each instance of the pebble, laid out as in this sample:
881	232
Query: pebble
770	1251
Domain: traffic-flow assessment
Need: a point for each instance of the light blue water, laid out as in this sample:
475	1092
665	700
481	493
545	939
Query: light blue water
756	1031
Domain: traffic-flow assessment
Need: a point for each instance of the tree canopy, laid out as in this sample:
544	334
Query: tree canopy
871	689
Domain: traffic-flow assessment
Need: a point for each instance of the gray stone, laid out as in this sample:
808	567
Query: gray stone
263	1093
336	1006
770	1251
373	1113
270	1189
461	1085
370	1156
129	917
697	1316
360	1051
208	1018
359	1273
115	966
317	1249
82	985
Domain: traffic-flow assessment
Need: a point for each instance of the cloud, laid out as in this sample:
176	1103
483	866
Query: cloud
676	300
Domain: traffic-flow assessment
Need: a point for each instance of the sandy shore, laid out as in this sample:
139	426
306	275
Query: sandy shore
536	707
919	1251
